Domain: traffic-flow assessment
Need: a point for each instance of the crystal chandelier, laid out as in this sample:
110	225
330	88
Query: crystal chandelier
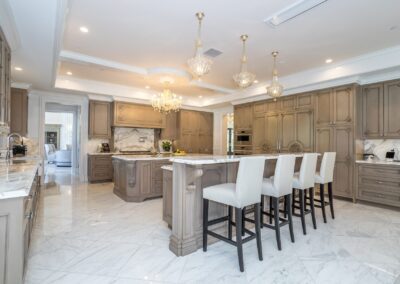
244	79
275	89
199	64
166	102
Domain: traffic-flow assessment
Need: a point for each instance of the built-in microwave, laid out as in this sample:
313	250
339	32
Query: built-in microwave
243	138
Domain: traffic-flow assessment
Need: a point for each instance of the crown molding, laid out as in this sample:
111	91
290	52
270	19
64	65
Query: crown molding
7	24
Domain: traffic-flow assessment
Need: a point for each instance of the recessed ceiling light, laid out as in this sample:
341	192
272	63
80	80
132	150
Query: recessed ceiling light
255	82
329	60
147	87
69	73
200	97
84	29
18	68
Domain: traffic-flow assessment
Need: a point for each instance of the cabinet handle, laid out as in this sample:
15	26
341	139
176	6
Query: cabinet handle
379	182
29	215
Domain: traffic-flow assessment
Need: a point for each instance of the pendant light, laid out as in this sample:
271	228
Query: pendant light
199	64
275	90
244	79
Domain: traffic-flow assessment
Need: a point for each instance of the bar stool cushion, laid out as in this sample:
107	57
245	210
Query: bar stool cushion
325	174
223	193
296	181
318	178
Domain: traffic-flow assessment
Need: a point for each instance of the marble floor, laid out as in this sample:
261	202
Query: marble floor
85	234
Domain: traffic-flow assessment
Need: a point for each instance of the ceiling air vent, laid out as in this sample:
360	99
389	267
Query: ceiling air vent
292	11
212	52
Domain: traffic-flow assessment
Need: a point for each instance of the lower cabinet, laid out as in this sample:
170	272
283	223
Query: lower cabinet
167	196
379	184
100	168
17	218
137	180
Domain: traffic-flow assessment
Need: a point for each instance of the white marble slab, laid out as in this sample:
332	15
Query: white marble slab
16	177
378	162
141	157
168	168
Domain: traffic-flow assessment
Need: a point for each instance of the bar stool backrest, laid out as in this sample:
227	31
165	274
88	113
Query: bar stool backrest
284	172
249	180
307	170
327	166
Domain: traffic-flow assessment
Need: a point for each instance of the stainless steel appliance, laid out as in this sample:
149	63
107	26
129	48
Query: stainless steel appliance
243	137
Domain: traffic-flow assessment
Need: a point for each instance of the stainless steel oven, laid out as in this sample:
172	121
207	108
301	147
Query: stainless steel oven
243	138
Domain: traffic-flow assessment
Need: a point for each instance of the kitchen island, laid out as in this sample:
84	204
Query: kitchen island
190	175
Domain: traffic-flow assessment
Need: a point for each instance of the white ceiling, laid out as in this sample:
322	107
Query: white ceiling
145	34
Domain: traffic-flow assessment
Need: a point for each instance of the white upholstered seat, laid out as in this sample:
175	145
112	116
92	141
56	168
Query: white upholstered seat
305	178
222	193
325	174
280	184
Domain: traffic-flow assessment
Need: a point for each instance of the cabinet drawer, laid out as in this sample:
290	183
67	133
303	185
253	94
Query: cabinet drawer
381	183
375	194
101	175
381	172
101	160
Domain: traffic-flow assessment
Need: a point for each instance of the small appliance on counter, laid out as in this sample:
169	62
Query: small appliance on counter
368	157
390	156
104	148
19	150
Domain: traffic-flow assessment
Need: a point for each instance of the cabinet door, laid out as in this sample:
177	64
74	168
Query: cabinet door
99	119
145	177
258	134
305	129
259	109
19	111
323	108
372	111
272	132
288	103
305	101
136	115
391	100
343	175
188	142
343	105
272	106
205	121
287	131
243	117
205	143
324	139
189	121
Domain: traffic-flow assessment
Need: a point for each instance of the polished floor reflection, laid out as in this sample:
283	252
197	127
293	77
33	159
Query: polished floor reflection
85	234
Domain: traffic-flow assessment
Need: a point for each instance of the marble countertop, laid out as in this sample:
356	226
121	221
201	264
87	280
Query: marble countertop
378	162
142	157
16	177
168	168
219	159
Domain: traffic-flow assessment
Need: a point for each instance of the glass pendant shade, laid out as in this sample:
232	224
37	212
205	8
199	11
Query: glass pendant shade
166	102
275	90
244	79
199	65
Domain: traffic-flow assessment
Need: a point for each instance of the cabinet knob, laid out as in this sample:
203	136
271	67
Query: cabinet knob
29	215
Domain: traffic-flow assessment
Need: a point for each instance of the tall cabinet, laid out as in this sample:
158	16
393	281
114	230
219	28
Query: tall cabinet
334	132
5	80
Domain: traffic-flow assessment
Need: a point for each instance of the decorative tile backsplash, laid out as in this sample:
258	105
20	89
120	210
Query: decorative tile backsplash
133	139
379	147
93	145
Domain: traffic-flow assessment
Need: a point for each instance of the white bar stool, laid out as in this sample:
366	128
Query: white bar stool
245	192
325	176
280	185
303	181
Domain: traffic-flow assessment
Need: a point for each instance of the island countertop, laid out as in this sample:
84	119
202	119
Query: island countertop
17	176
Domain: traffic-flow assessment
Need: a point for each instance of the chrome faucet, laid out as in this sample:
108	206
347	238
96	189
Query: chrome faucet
9	145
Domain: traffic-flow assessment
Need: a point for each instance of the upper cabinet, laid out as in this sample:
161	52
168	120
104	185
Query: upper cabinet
243	119
380	110
335	106
5	80
99	119
19	111
137	115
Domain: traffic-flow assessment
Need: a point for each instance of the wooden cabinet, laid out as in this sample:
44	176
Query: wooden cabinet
391	110
192	130
99	119
243	118
137	115
5	80
259	141
287	131
137	180
19	111
379	184
343	145
305	129
380	110
272	122
100	168
167	196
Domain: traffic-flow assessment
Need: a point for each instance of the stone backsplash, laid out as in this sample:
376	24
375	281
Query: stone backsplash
133	139
379	147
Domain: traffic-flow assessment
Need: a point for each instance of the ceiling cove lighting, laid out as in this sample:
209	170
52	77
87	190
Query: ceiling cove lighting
244	79
292	11
275	90
84	29
166	101
199	64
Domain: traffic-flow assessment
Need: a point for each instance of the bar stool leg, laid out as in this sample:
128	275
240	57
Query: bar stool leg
230	222
330	193
285	208
276	220
303	221
322	198
311	194
243	221
239	244
262	210
205	223
270	210
288	200
293	200
257	213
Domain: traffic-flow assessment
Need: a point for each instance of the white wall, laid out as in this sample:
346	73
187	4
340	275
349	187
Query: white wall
219	132
66	120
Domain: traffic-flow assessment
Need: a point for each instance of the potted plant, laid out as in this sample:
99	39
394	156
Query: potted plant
166	145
